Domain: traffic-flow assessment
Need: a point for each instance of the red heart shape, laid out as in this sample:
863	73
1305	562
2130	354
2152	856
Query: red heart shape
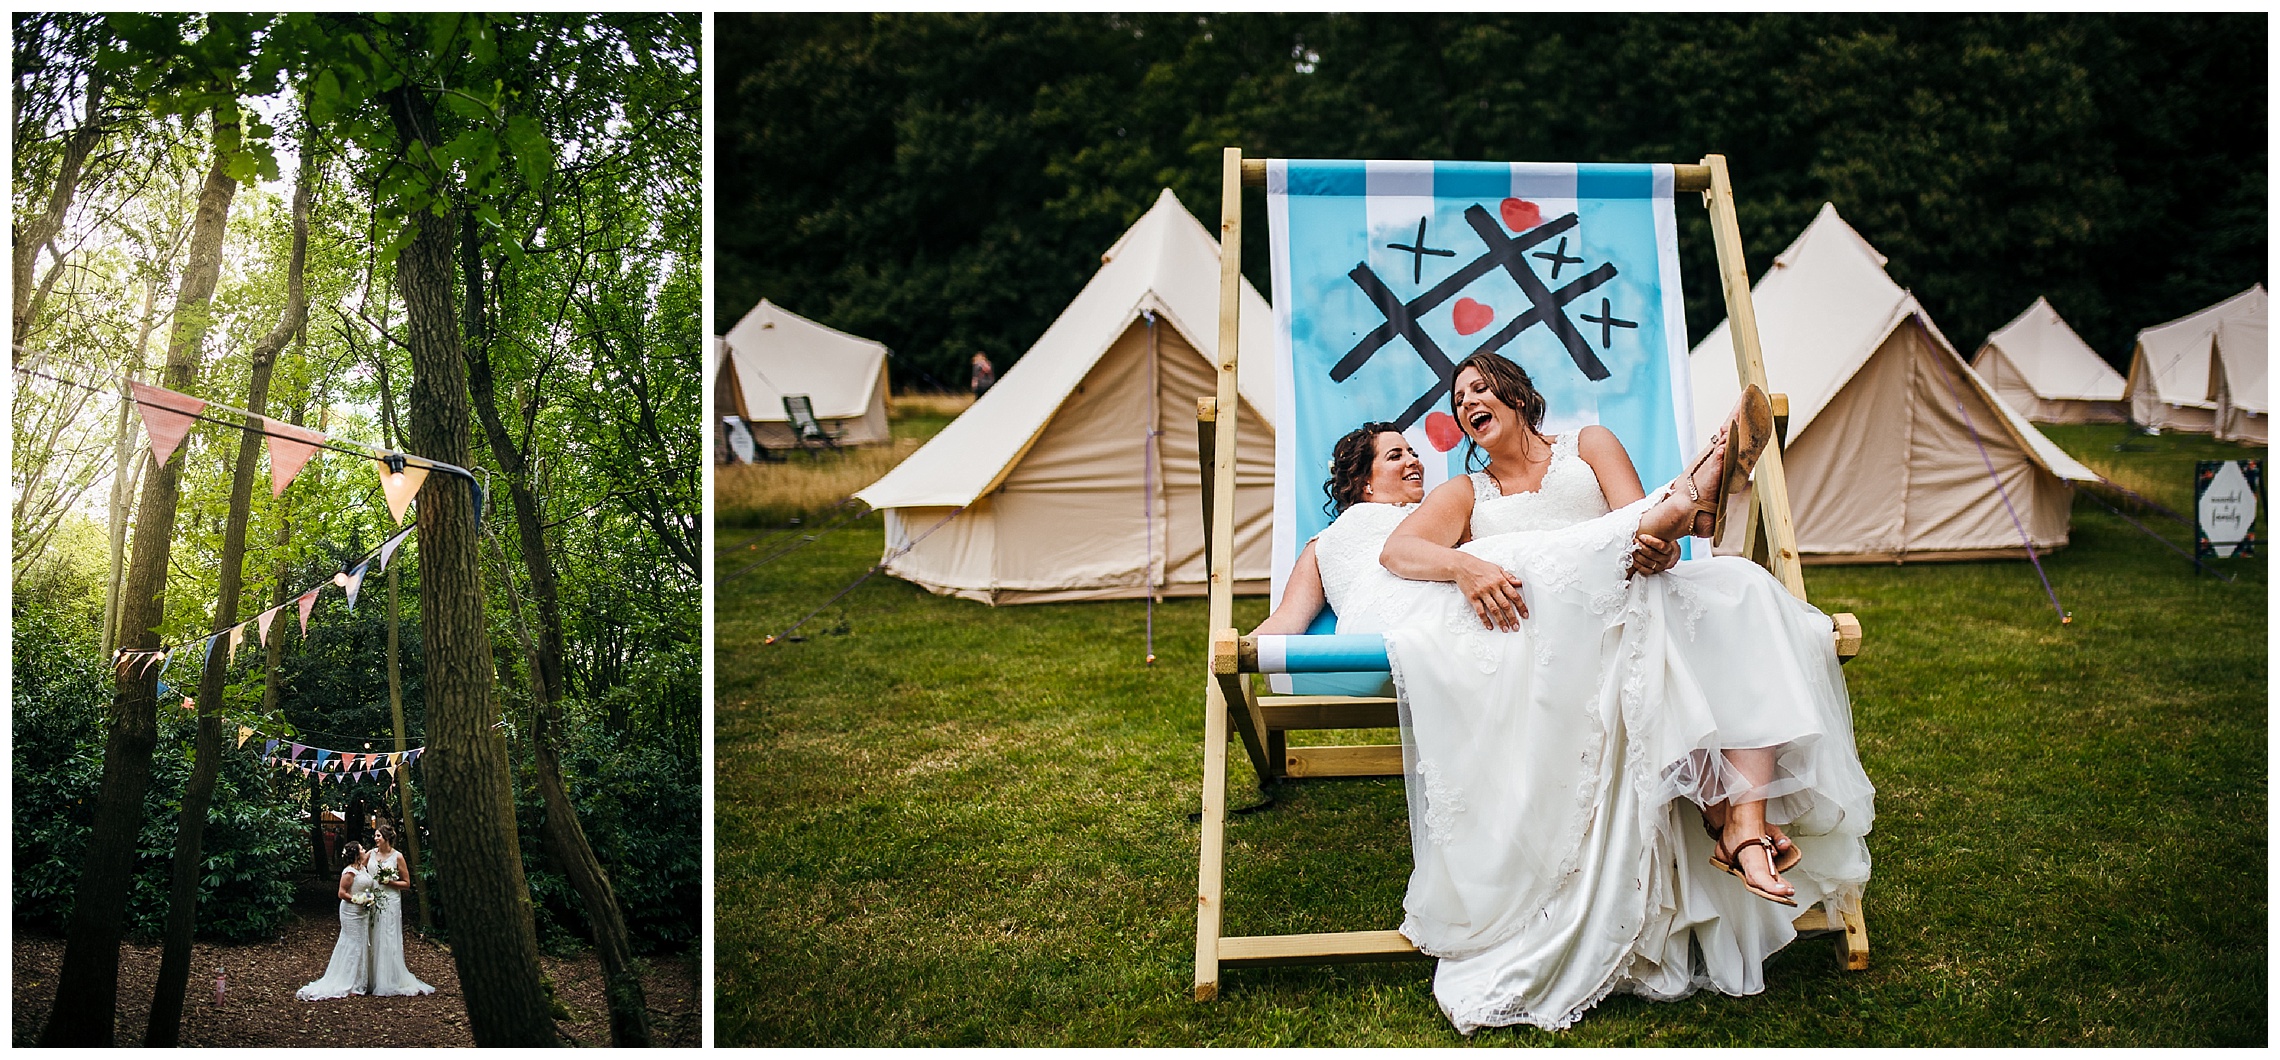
1471	316
1441	429
1521	215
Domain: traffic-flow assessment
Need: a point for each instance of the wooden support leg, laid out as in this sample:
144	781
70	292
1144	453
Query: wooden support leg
1852	943
1208	888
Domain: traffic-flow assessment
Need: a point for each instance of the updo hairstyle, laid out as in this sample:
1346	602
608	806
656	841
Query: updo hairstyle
1350	462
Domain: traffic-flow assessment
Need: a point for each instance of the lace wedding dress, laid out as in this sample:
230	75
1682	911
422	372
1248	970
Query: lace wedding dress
1555	773
389	976
350	970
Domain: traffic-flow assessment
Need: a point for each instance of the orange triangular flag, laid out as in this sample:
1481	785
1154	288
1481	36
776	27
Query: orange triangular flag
166	415
243	734
237	637
399	487
289	448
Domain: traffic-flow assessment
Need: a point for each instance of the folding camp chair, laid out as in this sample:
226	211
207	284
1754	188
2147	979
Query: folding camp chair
1261	722
809	431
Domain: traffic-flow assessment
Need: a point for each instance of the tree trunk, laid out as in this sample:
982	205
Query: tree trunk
273	678
565	838
410	831
87	987
123	454
487	902
198	794
38	231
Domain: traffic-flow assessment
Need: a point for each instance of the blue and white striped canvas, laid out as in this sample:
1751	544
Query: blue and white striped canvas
1386	274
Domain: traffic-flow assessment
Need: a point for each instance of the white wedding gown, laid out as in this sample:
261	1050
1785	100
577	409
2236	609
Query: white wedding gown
350	970
1554	772
389	976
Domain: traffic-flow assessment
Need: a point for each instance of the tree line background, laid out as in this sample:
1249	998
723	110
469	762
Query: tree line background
946	183
290	165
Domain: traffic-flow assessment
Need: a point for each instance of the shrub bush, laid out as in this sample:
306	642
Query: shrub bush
60	697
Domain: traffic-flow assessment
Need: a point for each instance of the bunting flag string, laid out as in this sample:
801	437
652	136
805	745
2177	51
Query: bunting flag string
337	766
167	416
349	578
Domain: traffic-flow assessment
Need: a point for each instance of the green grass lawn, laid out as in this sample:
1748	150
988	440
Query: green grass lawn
942	823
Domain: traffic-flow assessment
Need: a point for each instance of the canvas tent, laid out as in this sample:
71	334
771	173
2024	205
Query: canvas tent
773	352
2045	372
1882	465
1075	477
2204	373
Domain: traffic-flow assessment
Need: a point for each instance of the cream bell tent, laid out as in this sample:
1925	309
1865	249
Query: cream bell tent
773	352
2204	373
2045	372
1075	477
1882	465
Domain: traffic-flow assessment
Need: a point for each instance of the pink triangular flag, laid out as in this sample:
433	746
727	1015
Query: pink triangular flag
299	748
166	415
156	658
289	448
399	486
308	601
266	617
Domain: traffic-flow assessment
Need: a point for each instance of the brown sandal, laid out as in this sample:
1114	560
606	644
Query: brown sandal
1748	430
1789	856
1732	865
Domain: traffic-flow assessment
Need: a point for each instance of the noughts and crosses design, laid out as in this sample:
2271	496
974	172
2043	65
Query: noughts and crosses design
1546	305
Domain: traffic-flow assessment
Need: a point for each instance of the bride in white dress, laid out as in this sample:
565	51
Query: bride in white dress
1568	726
350	970
390	978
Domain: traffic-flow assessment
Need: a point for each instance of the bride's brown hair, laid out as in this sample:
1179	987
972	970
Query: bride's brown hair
1350	462
1511	385
354	850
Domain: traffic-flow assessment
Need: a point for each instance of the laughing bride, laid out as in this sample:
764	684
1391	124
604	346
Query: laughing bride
1624	773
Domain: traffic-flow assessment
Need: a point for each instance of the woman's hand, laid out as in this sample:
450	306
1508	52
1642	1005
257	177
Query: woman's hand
1653	555
1493	592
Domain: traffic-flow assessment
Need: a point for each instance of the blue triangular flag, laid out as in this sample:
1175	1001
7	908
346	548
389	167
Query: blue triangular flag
389	549
164	690
355	582
269	748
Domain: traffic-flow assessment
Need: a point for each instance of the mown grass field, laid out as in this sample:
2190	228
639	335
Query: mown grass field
941	823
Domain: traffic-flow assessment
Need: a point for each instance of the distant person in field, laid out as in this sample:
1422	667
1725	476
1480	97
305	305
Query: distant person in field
984	374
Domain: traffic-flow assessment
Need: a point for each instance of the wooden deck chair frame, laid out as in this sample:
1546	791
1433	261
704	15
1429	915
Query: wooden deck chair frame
1232	705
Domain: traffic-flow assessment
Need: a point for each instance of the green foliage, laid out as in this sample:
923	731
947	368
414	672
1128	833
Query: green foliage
57	704
640	805
946	182
570	143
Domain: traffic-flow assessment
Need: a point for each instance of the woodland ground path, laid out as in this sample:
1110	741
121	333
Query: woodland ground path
259	1008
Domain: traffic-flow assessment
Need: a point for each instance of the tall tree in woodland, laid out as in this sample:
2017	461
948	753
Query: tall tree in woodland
87	986
582	211
37	232
197	795
494	943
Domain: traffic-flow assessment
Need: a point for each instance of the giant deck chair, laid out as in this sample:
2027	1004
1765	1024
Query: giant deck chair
1517	215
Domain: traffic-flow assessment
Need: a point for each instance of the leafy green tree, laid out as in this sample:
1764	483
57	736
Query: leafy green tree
944	183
